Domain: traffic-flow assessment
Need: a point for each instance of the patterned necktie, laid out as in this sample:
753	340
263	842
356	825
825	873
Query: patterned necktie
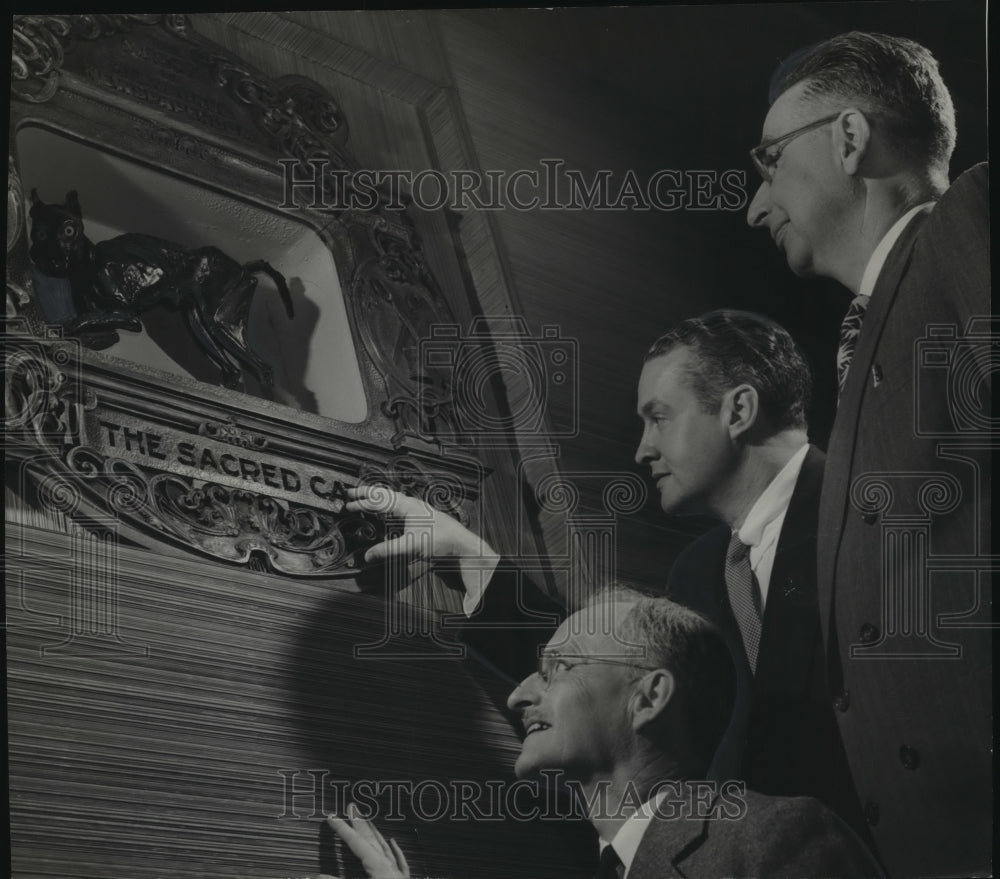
611	866
744	596
849	331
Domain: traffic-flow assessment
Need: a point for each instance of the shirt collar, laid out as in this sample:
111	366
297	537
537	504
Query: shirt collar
881	252
629	835
773	501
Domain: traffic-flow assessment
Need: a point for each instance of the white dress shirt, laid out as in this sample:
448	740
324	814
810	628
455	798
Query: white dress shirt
760	531
881	252
629	835
762	527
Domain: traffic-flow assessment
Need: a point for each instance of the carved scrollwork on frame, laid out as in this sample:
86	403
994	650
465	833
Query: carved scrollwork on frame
45	424
37	55
39	42
159	61
228	432
228	523
300	118
44	396
396	306
16	212
17	296
303	121
439	489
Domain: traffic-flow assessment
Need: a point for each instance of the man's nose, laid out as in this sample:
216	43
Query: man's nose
524	694
760	206
645	452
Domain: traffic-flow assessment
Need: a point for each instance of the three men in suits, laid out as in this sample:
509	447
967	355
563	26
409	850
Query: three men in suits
630	712
723	400
854	158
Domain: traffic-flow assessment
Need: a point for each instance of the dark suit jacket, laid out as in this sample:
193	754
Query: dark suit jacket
776	838
904	523
784	738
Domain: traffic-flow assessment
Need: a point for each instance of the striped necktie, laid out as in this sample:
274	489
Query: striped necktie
744	596
849	331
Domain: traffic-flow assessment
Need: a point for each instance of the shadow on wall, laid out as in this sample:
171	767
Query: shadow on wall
427	723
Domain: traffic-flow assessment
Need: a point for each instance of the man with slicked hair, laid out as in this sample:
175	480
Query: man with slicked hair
723	402
855	166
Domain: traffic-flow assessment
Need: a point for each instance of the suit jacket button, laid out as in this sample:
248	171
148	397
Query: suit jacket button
869	518
842	701
909	757
876	375
871	813
869	633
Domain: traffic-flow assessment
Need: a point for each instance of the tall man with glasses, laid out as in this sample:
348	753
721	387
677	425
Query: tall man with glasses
855	160
723	402
630	711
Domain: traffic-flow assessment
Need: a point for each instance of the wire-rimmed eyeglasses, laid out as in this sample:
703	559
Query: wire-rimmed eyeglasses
765	156
552	665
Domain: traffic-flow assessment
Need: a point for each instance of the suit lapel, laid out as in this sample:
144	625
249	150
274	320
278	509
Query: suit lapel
883	296
667	843
705	589
836	490
790	612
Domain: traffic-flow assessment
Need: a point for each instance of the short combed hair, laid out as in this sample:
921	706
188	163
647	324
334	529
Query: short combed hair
694	651
731	348
893	80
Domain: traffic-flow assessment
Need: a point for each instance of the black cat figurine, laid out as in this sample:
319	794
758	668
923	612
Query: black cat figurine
113	282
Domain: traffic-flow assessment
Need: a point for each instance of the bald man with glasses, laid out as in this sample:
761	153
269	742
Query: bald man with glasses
630	699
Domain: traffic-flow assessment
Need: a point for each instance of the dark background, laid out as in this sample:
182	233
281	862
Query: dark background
707	68
686	87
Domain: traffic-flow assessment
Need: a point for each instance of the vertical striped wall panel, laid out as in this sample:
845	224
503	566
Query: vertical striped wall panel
187	738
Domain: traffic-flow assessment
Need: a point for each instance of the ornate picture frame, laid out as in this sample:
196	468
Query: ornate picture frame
185	462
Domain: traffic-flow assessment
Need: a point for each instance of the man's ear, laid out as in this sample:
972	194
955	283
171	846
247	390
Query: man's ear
852	137
741	408
653	694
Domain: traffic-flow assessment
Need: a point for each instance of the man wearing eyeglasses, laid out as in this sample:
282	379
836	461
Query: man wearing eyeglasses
723	400
855	160
630	699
